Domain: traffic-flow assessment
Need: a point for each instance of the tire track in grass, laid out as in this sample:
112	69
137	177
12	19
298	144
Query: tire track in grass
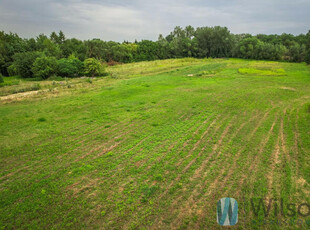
262	145
172	146
185	169
196	146
92	145
249	137
176	134
195	133
81	147
110	148
300	182
188	140
287	183
275	161
215	147
124	125
68	131
119	169
130	149
213	185
39	163
118	185
298	191
283	142
81	139
95	131
157	147
45	158
108	131
198	142
179	163
279	149
153	134
200	213
189	207
104	145
296	137
25	167
252	167
237	155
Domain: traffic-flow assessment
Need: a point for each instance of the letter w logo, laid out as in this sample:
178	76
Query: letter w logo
227	211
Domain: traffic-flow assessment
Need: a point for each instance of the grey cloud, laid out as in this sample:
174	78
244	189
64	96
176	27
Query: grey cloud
137	19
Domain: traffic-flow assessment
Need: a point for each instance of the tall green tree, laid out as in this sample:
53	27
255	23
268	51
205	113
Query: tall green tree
147	51
307	52
214	41
24	63
58	38
10	44
74	46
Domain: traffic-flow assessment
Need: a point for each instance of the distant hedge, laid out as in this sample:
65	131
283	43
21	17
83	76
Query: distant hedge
17	55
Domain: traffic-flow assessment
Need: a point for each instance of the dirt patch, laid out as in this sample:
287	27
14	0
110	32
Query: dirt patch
19	95
288	88
302	183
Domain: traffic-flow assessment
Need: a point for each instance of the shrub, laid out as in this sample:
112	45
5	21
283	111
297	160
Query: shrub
12	71
42	119
307	58
44	67
70	67
1	78
24	62
94	67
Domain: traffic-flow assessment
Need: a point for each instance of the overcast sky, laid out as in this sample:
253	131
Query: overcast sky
121	20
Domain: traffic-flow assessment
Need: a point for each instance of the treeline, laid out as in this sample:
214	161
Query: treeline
45	56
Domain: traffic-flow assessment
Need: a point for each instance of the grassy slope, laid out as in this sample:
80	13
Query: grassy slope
154	147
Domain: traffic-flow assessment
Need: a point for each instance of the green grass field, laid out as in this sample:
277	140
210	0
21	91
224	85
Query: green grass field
155	145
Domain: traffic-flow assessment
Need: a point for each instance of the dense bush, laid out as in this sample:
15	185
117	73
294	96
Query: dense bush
24	62
74	46
307	52
297	52
12	71
1	78
147	50
70	67
44	67
10	44
94	67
